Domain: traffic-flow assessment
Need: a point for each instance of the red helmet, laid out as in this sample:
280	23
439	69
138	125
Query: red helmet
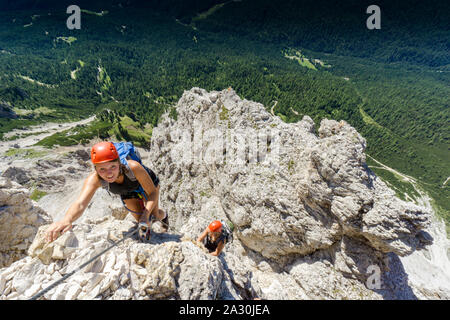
215	226
103	152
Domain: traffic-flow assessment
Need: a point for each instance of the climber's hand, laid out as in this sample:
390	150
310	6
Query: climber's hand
56	229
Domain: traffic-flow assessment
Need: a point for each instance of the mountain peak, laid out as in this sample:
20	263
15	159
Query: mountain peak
311	220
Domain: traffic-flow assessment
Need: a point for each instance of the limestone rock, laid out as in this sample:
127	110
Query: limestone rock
311	219
16	174
288	191
167	268
20	219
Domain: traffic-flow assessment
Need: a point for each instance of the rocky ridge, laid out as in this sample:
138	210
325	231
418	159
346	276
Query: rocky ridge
311	220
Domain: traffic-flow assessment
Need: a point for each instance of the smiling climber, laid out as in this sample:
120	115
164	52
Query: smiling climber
118	169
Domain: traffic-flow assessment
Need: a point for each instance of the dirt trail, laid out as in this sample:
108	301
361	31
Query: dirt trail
46	129
445	182
271	109
424	198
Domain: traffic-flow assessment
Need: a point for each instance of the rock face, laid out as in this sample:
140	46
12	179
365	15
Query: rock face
50	174
288	191
167	268
19	221
311	220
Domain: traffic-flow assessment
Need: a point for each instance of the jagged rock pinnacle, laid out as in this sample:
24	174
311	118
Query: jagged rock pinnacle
312	221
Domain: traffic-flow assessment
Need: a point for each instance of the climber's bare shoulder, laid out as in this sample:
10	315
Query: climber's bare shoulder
90	185
93	181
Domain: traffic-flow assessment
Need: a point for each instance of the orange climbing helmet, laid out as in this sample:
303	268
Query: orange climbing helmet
103	152
215	226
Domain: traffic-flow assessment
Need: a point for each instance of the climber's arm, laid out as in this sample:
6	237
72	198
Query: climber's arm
146	182
203	235
91	184
219	248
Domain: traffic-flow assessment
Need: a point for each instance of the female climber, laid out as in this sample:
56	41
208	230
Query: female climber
213	238
137	185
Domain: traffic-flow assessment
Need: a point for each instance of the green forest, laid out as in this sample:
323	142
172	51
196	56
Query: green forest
131	63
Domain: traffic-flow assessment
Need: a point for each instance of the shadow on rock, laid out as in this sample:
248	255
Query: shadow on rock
163	237
394	282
